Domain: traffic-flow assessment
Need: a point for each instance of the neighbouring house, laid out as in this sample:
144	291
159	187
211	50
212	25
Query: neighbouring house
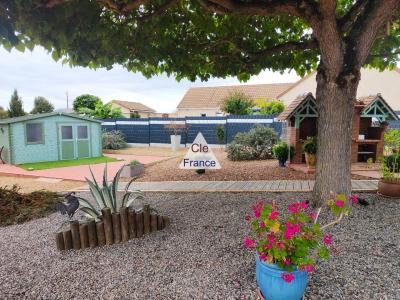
372	82
369	124
206	101
128	108
49	137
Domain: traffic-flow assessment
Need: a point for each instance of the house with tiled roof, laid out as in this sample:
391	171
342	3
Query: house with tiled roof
372	82
128	108
206	101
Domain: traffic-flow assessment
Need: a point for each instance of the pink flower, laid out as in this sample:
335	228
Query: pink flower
287	277
286	261
262	256
257	209
327	239
249	243
294	208
339	203
303	205
312	215
291	230
273	215
262	224
309	268
280	244
247	218
353	199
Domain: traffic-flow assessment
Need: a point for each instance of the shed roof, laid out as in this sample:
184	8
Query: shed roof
133	105
45	115
290	109
211	97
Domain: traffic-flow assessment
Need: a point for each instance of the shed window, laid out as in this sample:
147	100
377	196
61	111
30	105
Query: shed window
82	132
66	132
34	133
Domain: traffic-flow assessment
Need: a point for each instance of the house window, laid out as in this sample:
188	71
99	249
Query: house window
82	132
34	133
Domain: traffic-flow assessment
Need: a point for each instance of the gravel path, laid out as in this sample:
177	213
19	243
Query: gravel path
200	256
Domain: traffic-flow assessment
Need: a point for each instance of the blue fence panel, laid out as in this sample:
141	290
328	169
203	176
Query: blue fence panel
207	126
394	124
152	130
161	135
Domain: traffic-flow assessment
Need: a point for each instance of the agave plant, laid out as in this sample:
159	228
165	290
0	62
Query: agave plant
106	195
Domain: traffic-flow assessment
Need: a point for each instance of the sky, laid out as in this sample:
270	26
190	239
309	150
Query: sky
37	74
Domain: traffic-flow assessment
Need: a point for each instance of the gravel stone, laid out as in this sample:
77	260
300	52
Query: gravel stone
199	256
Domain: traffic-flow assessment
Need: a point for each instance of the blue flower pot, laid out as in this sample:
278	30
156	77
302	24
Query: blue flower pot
282	163
273	287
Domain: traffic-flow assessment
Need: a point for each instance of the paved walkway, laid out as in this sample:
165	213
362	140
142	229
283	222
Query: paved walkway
239	186
80	172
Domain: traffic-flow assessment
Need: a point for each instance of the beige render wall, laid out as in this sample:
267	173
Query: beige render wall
210	112
372	82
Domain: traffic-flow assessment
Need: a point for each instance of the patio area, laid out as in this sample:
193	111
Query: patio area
78	173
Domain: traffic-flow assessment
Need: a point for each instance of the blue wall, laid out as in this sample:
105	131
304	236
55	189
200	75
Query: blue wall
152	130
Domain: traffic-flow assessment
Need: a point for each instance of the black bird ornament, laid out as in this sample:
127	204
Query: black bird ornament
71	207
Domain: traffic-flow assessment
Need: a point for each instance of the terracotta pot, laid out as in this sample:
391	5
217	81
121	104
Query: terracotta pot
389	189
311	160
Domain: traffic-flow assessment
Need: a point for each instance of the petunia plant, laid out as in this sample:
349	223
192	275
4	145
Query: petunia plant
294	240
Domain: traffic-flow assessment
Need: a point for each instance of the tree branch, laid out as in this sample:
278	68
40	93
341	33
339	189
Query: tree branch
348	19
366	28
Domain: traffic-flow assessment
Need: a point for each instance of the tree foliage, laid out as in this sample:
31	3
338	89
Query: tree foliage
16	106
269	107
85	101
42	105
102	111
193	39
237	104
3	113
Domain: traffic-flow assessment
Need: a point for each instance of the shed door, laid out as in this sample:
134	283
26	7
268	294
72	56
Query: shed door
82	140
67	142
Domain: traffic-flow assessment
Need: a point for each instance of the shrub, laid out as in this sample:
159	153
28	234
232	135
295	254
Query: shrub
85	101
237	104
310	145
134	115
42	105
113	140
393	162
135	163
17	207
221	134
106	195
269	107
255	144
281	151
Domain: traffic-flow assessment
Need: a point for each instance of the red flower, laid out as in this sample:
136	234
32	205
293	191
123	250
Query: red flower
327	239
249	243
287	277
262	224
247	218
257	209
353	199
280	245
273	215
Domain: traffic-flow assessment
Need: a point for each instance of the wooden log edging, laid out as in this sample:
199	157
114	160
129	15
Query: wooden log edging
110	229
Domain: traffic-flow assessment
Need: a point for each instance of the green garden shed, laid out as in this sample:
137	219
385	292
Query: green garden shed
49	137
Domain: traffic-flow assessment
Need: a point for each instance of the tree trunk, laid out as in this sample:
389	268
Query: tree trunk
335	100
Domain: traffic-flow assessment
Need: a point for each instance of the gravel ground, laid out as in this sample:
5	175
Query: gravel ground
168	170
199	256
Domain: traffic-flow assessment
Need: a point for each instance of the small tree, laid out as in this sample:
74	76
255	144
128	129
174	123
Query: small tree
3	113
85	101
16	108
135	115
269	107
42	105
237	104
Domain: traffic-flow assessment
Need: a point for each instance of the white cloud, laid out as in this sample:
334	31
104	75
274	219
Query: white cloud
37	74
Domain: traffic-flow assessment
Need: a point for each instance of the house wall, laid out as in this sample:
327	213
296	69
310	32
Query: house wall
196	112
49	149
4	141
372	82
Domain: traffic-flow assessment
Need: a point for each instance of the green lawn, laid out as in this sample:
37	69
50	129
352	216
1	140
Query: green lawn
67	163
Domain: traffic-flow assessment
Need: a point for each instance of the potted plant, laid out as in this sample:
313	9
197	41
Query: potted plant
175	134
287	247
281	152
389	184
310	151
133	169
